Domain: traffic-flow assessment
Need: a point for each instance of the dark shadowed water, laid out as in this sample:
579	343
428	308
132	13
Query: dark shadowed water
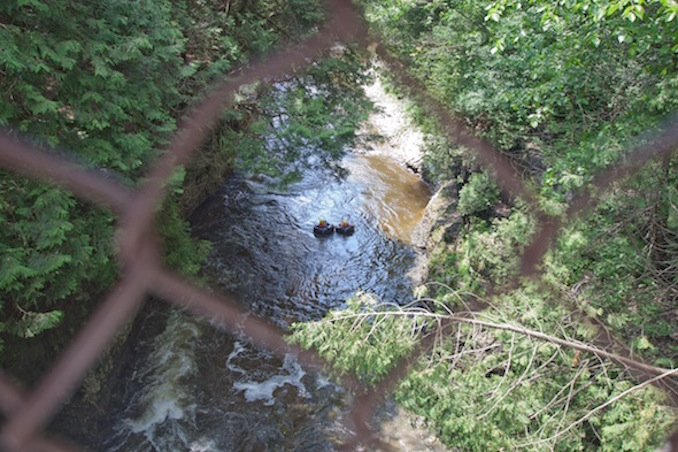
265	252
196	387
190	386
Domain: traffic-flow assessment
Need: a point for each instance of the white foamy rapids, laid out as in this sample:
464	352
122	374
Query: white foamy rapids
166	398
403	140
238	348
203	445
321	381
292	375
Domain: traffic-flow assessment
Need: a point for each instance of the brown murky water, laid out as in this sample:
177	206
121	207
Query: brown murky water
395	197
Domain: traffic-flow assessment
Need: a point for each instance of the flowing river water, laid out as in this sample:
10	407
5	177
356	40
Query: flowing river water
191	386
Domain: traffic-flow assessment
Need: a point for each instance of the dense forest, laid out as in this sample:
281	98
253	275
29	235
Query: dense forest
563	89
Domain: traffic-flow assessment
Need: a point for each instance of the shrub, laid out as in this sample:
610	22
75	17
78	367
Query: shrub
477	195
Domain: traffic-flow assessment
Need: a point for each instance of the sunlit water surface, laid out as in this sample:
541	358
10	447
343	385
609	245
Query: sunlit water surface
188	385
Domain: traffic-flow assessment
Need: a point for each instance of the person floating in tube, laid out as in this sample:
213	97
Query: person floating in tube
323	228
345	228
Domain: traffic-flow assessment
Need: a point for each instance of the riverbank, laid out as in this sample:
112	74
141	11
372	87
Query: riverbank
484	383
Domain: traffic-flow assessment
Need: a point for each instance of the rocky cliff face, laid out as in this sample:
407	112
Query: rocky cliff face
439	228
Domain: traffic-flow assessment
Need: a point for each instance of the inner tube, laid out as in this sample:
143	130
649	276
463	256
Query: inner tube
320	231
345	230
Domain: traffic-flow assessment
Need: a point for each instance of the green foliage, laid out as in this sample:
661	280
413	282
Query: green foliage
622	256
608	264
551	83
563	89
361	339
47	253
476	406
478	195
220	37
488	389
181	251
82	84
483	253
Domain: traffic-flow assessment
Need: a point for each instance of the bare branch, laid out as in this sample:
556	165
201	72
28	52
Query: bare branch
470	319
602	407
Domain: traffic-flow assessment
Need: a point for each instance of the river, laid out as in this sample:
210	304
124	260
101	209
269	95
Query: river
188	385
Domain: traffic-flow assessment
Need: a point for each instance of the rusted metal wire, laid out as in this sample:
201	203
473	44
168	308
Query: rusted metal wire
27	413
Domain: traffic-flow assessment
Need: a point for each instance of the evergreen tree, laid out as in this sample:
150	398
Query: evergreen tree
104	84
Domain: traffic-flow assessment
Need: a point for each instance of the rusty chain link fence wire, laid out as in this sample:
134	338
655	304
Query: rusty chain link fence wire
27	413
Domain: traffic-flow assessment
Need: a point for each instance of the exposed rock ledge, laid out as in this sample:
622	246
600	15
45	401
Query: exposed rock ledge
440	226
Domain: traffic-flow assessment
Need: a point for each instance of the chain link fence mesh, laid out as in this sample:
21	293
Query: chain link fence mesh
27	413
